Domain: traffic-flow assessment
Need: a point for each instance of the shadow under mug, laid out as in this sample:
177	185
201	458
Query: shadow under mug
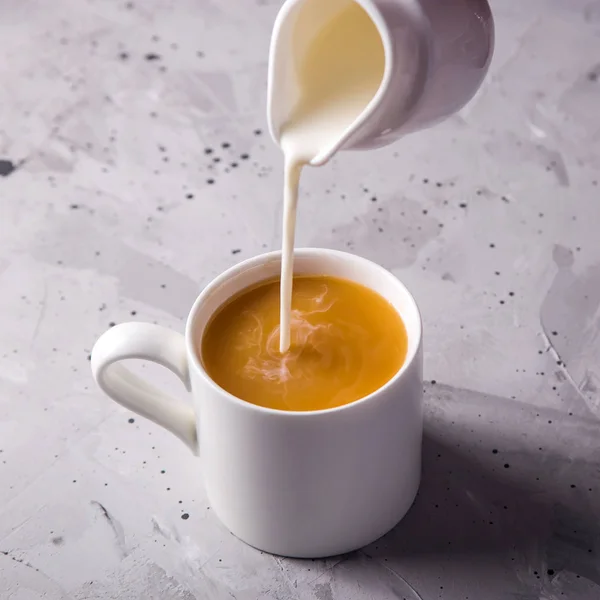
298	484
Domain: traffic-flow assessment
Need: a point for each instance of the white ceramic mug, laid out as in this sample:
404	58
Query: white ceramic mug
301	484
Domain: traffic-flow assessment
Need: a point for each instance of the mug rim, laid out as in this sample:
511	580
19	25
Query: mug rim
255	261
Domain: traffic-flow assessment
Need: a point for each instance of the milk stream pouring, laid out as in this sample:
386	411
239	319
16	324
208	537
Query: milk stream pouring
359	74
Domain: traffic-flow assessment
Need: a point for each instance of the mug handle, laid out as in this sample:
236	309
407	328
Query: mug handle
156	344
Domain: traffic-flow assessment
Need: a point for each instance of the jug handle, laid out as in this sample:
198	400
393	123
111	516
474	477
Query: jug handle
159	345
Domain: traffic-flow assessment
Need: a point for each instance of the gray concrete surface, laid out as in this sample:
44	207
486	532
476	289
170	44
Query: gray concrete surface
134	167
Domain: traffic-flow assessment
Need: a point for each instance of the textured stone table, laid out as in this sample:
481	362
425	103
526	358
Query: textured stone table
135	166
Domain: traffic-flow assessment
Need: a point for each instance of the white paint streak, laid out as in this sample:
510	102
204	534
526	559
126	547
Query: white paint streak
593	405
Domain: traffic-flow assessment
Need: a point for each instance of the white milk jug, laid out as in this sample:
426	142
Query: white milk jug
436	54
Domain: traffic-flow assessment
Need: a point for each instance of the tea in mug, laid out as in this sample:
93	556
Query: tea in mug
347	341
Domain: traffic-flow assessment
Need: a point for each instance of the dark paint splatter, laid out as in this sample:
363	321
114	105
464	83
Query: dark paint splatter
235	251
19	560
152	56
7	167
114	525
131	420
185	516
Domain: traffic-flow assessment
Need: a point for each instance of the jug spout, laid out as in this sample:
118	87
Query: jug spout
436	54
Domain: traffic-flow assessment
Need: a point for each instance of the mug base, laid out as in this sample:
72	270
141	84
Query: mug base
325	550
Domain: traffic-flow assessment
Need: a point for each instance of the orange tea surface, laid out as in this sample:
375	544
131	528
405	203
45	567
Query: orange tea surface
346	342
